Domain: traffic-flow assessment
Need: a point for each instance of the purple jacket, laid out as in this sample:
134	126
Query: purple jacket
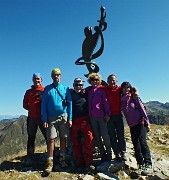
133	110
98	105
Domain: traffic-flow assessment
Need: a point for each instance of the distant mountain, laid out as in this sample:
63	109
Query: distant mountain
8	117
158	112
13	136
154	106
13	133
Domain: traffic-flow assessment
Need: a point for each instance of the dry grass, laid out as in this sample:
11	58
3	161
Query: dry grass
158	139
40	149
157	135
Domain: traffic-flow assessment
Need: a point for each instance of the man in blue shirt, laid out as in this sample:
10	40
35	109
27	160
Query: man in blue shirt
56	113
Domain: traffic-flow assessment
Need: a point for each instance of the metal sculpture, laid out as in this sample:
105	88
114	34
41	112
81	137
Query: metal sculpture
90	43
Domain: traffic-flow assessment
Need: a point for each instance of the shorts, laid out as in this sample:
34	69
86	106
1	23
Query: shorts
57	124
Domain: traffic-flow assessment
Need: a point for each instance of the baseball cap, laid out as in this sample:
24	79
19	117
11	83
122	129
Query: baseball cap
36	74
56	71
78	80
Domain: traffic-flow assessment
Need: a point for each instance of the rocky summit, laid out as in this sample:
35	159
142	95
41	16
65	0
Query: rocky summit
15	166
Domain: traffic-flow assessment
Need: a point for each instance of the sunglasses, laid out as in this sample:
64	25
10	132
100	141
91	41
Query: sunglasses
78	84
56	74
93	79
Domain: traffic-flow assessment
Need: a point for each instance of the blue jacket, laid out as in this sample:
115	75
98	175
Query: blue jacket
52	102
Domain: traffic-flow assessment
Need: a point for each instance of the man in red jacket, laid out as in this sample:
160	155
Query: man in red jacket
32	103
115	124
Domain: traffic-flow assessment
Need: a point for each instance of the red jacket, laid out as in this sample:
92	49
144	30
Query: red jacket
114	99
32	101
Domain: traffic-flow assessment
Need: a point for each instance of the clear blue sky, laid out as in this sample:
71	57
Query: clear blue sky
39	35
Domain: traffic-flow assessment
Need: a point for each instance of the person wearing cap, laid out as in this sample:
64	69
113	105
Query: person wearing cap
99	113
81	132
32	103
56	111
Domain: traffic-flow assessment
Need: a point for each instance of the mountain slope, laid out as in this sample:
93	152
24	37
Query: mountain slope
158	112
13	136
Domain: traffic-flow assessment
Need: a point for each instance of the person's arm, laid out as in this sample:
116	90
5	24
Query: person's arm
69	105
106	107
44	106
25	101
85	90
143	112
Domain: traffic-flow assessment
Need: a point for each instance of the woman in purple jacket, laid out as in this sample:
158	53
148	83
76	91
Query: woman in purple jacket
137	119
99	114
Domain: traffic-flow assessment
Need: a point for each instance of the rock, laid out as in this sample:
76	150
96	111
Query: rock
158	132
106	176
131	163
150	138
125	174
165	172
129	145
162	141
164	164
88	177
112	166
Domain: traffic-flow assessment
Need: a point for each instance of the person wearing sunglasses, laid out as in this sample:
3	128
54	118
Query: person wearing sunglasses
56	111
81	132
99	113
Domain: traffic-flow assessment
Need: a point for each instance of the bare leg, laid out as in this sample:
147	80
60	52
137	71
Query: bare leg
50	147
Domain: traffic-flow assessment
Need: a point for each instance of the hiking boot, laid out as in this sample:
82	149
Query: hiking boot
49	165
148	170
140	169
90	169
29	161
118	158
62	162
123	157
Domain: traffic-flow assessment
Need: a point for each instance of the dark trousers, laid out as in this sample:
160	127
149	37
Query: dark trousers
142	152
116	133
32	127
82	140
101	135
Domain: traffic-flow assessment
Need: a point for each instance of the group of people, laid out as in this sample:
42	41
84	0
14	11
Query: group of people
91	117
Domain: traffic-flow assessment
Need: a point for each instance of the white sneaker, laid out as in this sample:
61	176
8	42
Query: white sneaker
49	165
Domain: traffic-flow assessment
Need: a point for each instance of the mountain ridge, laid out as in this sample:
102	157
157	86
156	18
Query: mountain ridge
8	116
3	117
13	132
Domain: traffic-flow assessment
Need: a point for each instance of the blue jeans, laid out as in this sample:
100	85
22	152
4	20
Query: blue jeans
116	133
